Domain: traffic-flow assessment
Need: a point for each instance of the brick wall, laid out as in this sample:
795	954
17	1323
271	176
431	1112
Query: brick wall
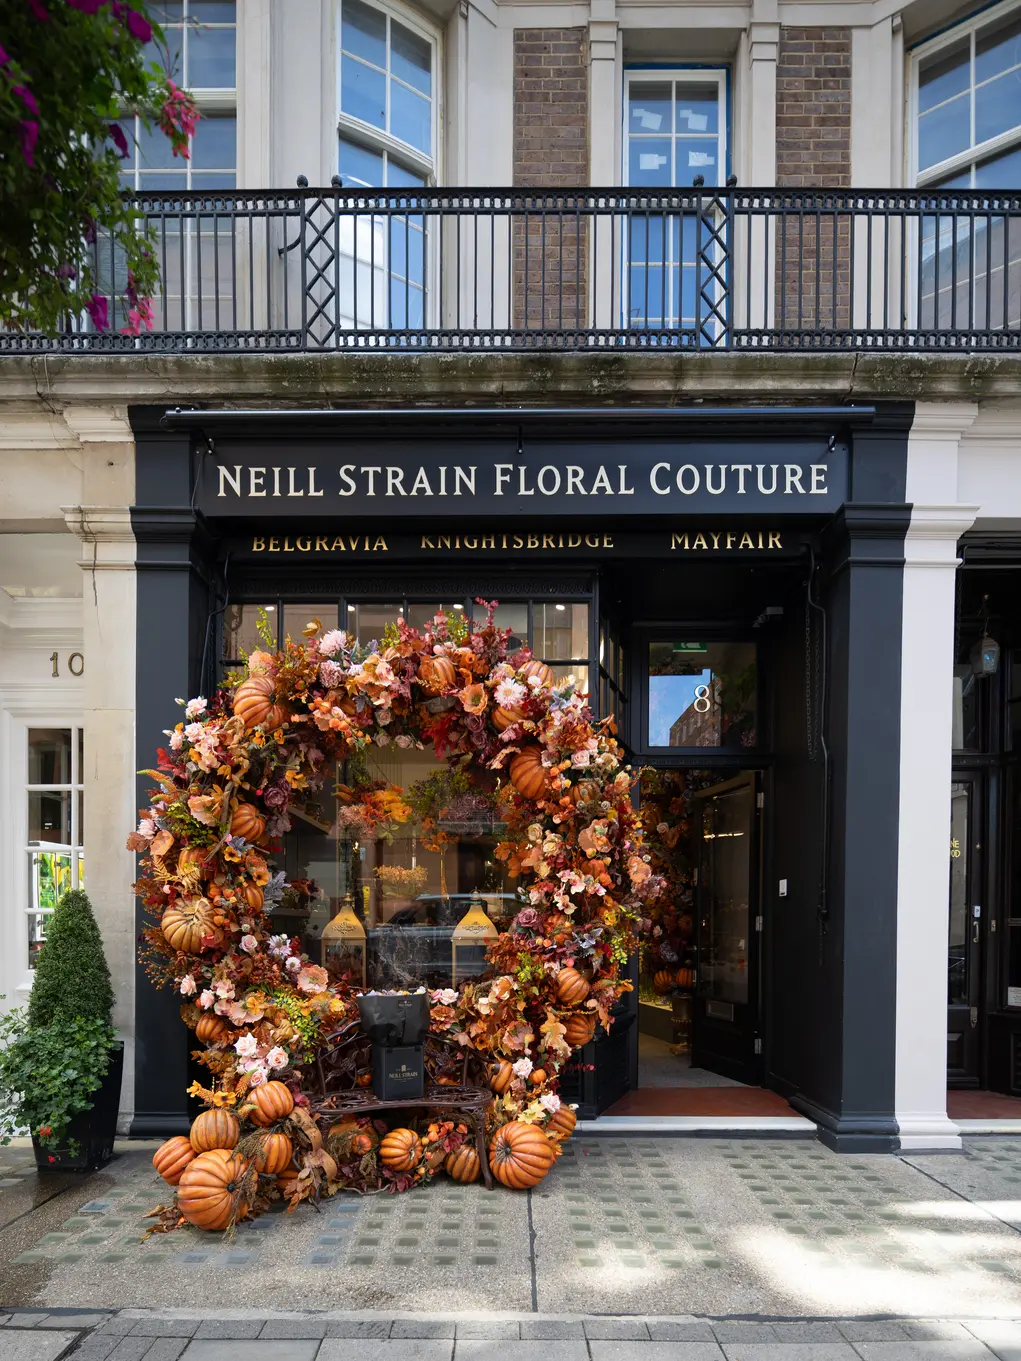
550	152
813	149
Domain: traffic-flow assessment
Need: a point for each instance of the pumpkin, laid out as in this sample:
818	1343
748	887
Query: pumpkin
364	1078
287	1181
171	1158
246	822
537	1077
187	924
585	791
255	703
272	1102
275	1154
527	772
463	1164
214	1129
685	978
208	1194
211	1029
572	987
520	1155
503	717
663	980
401	1150
536	668
436	674
196	856
500	1076
352	1140
253	896
563	1123
579	1029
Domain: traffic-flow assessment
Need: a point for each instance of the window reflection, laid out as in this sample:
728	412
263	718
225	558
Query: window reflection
702	694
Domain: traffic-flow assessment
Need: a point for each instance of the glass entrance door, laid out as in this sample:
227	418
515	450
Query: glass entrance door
727	916
964	943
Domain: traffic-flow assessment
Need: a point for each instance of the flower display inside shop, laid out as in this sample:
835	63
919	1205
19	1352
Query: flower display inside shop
263	1012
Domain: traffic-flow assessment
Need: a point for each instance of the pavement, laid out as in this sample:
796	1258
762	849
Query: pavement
699	1249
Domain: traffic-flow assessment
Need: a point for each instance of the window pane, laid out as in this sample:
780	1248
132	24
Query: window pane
1000	172
49	818
560	632
37	923
420	614
943	75
154	150
649	161
399	178
363	32
81	817
649	107
168	55
240	630
367	622
410	117
578	675
167	11
363	92
997	106
410	57
702	694
211	59
49	756
944	132
214	145
513	616
297	616
81	755
359	167
998	48
697	156
49	876
957	955
212	11
698	108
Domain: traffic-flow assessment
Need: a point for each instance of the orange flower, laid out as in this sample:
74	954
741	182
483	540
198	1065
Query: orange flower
473	698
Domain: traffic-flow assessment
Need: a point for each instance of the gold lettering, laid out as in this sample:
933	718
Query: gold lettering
547	541
746	541
274	545
533	539
716	539
471	543
258	544
427	542
679	541
700	541
774	539
574	540
489	541
380	543
730	540
517	542
322	545
607	540
287	545
444	541
304	544
338	542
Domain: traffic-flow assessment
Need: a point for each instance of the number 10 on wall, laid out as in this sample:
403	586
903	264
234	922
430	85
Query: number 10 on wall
75	663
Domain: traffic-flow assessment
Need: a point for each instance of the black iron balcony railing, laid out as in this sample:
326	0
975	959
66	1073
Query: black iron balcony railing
586	270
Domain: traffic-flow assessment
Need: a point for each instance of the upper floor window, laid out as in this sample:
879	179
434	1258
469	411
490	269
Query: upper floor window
387	101
675	128
967	125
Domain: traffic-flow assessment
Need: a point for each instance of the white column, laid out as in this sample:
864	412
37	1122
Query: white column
109	641
927	661
604	105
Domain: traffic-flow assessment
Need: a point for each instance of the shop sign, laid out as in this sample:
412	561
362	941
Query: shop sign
388	479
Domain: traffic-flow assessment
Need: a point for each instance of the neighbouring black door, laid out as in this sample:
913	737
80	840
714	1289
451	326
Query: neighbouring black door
964	945
726	1013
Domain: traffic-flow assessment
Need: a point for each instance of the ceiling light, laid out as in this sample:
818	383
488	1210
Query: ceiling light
561	607
458	607
350	609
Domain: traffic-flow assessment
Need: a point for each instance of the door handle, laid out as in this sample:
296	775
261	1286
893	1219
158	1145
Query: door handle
974	933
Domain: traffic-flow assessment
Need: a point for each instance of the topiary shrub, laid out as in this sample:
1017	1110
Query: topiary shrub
72	980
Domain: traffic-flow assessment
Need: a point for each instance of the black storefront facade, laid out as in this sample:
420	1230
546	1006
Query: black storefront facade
780	529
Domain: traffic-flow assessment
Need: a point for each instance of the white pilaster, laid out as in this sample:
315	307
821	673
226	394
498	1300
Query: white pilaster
604	94
108	618
930	549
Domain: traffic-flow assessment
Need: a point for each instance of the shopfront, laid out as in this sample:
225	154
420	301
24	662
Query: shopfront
726	584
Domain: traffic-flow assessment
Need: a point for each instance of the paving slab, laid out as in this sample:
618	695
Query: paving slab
936	1350
29	1345
1001	1336
516	1351
655	1351
224	1349
401	1349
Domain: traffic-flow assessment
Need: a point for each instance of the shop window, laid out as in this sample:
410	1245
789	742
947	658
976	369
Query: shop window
54	858
701	694
960	908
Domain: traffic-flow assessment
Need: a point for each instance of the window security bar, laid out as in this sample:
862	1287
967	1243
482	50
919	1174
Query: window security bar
448	270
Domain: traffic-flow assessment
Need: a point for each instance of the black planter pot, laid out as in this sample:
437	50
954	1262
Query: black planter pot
93	1130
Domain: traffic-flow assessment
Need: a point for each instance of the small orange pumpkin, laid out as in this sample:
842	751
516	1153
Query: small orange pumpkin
253	896
537	1077
528	774
572	987
579	1029
501	1075
211	1029
209	1192
536	668
187	924
364	1078
463	1164
214	1129
585	791
685	978
273	1101
520	1155
246	822
436	674
352	1140
275	1154
562	1125
401	1150
171	1158
196	857
663	980
256	704
504	716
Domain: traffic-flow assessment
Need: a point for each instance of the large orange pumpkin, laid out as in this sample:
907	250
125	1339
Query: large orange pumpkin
520	1155
208	1194
563	1123
188	923
501	1075
401	1149
579	1029
528	774
504	716
171	1158
273	1100
214	1129
536	668
572	987
246	822
211	1028
195	857
463	1164
255	702
275	1155
436	674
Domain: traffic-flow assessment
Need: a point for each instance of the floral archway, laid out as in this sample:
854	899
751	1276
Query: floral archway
235	771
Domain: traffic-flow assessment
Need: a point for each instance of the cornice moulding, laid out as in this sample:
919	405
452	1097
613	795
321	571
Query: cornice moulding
103	424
